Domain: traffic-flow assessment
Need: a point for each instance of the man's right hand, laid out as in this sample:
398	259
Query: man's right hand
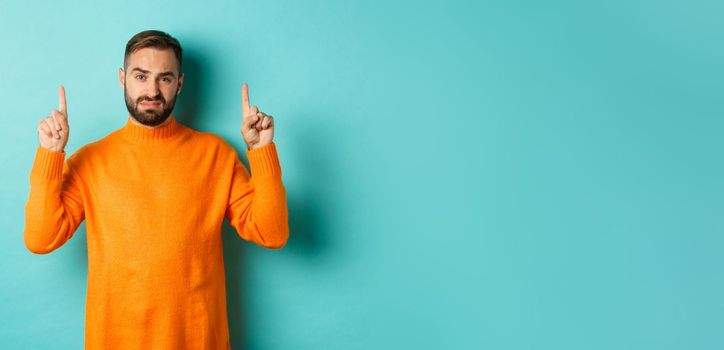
53	130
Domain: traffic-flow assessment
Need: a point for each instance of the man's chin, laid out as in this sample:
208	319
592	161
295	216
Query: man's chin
150	119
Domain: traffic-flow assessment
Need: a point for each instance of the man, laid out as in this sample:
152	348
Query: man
154	194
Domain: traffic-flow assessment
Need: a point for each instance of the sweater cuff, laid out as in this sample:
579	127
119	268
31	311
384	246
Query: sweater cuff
48	164
264	160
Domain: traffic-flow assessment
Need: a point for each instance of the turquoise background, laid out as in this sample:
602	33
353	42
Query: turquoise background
460	174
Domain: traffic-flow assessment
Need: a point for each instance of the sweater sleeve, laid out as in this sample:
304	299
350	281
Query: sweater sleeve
54	209
257	206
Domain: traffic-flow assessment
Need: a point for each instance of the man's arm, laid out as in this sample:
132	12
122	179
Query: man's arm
257	206
55	207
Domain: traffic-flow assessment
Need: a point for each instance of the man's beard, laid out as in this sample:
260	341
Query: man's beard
149	117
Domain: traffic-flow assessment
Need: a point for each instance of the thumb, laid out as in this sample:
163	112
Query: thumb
248	122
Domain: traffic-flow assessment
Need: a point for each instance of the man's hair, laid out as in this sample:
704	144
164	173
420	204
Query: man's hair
155	39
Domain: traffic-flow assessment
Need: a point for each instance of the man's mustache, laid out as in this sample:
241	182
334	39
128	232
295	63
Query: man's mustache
159	98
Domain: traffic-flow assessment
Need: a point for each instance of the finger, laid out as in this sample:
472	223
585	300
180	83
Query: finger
267	122
43	128
245	99
49	123
246	123
257	125
57	117
260	123
61	98
62	118
249	122
253	110
249	132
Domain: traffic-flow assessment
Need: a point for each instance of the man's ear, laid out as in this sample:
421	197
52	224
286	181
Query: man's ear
121	77
180	83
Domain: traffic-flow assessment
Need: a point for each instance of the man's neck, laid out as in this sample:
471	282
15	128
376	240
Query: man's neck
134	121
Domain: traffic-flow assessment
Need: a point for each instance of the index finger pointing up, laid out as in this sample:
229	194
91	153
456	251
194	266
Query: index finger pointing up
245	99
61	98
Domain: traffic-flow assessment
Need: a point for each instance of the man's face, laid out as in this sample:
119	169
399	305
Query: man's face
150	84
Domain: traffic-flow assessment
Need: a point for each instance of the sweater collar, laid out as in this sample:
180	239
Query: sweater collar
144	135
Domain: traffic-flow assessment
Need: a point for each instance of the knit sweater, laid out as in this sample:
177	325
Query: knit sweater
154	200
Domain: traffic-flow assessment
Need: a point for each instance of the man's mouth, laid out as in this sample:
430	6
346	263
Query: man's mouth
150	103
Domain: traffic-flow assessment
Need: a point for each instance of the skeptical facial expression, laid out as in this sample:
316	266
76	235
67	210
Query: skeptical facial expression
151	83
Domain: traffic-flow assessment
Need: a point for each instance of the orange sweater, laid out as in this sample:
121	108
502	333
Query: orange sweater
154	201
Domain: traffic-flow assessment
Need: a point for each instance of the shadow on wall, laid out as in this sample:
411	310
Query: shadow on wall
189	104
308	236
308	203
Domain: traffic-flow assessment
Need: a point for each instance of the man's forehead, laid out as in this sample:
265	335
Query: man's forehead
152	60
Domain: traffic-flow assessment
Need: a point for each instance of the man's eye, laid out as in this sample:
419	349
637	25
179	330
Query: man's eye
166	79
140	77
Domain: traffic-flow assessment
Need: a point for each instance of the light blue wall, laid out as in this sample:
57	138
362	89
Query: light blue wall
460	174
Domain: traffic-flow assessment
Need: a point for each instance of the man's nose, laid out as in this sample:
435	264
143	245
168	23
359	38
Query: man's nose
153	88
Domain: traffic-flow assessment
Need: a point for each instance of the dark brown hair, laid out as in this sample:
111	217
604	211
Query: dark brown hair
155	39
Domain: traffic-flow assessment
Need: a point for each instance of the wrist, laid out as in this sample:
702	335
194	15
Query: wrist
249	148
54	149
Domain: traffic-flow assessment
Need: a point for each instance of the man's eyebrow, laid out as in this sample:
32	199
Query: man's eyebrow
148	71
